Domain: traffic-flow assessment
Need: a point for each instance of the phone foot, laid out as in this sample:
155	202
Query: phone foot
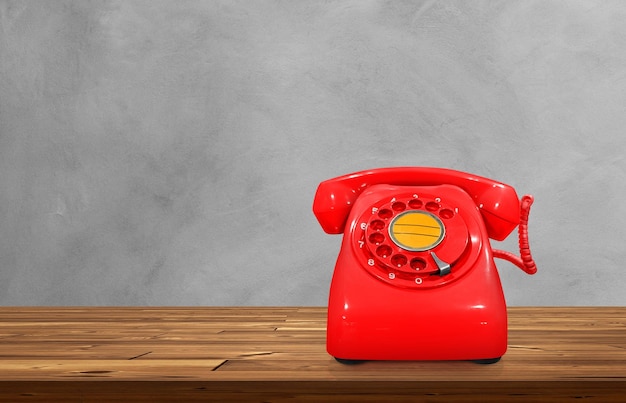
487	361
349	362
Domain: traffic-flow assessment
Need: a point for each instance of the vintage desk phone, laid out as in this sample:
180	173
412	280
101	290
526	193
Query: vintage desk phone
415	278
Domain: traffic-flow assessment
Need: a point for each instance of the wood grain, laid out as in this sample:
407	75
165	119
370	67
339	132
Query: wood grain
277	354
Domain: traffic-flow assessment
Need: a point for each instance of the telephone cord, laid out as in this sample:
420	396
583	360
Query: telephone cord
525	260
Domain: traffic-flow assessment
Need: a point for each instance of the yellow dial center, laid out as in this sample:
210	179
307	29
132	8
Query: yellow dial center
416	230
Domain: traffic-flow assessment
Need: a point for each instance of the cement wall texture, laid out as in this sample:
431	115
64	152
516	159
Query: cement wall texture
167	153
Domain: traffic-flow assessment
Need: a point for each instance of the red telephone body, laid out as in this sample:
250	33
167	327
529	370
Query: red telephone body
415	278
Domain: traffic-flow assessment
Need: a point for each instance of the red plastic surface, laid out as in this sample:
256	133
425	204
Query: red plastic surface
391	298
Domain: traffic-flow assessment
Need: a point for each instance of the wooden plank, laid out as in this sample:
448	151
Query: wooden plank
254	353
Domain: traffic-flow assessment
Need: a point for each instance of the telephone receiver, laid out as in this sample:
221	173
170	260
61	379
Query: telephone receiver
415	278
498	204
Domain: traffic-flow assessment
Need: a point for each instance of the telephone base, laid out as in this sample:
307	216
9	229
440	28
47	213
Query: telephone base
485	361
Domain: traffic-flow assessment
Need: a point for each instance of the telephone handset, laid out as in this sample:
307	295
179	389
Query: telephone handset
416	262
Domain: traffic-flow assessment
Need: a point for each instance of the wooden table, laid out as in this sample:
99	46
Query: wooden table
278	355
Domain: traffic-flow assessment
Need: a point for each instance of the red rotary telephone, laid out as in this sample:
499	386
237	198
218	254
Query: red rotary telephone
415	278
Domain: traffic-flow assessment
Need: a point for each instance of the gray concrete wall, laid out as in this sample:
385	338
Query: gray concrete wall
167	153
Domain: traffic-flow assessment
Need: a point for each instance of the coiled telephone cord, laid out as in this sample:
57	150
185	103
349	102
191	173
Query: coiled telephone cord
525	260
